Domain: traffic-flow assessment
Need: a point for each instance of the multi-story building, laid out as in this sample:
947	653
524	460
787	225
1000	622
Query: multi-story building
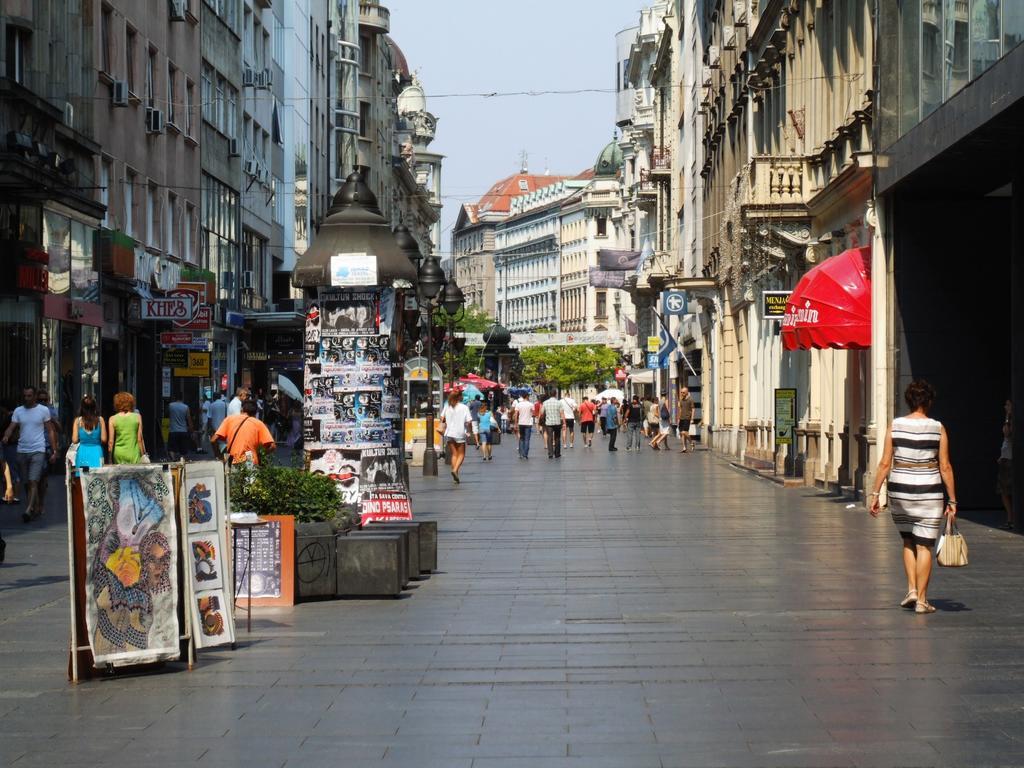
788	103
527	258
950	184
473	236
50	309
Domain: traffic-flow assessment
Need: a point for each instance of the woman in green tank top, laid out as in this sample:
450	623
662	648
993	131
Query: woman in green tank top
125	441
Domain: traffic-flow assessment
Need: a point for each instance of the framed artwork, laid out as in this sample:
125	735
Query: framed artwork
131	591
202	495
215	625
206	561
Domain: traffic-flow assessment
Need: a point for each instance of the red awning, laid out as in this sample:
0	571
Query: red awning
831	305
480	382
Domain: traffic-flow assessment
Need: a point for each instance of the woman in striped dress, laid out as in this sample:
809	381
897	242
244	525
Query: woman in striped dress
916	462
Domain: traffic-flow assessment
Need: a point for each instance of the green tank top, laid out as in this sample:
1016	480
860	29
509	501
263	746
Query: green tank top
126	438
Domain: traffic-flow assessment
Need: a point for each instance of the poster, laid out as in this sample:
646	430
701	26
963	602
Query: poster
131	591
785	416
342	470
349	313
266	561
204	507
386	506
380	469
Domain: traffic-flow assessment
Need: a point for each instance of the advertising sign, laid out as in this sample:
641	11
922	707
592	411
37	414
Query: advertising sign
177	308
353	269
653	360
385	506
197	365
176	358
674	302
653	343
785	416
774	304
184	340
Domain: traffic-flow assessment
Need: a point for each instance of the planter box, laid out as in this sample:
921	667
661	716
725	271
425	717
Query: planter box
369	566
315	561
403	546
427	532
413	553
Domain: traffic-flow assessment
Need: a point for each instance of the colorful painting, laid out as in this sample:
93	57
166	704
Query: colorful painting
202	496
215	625
131	546
205	553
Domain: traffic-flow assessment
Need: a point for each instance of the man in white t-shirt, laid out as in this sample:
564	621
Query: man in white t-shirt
235	406
34	424
569	413
524	424
456	422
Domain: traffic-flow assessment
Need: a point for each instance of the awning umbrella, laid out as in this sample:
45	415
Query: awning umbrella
831	305
610	393
470	392
287	386
480	382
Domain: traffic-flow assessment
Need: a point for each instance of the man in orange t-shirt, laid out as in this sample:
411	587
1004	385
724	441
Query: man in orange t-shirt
243	434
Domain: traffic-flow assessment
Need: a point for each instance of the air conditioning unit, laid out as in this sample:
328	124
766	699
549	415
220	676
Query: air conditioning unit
119	93
69	114
264	176
714	56
265	79
729	37
251	168
154	120
178	8
739	13
234	148
248	279
706	77
248	77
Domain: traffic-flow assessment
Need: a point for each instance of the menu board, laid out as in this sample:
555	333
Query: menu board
273	561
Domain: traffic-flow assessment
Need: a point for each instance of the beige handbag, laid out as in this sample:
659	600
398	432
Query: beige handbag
951	550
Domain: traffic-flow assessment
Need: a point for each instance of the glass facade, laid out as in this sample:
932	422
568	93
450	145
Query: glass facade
220	234
942	46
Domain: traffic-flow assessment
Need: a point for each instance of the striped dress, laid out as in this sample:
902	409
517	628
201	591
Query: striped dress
916	498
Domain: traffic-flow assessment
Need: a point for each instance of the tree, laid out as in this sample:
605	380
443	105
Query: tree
568	365
473	320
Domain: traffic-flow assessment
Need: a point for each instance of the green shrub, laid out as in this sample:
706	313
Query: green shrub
269	489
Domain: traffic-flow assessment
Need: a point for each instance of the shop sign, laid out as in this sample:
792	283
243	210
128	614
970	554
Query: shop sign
653	360
285	341
32	278
353	269
257	357
184	339
176	308
620	374
234	319
785	415
653	343
674	303
176	358
774	304
197	365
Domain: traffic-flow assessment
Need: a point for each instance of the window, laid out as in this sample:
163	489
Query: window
129	54
231	118
602	226
151	215
189	102
601	309
218	104
247	39
172	90
219	243
170	246
206	94
104	189
187	228
129	202
364	119
17	53
106	55
150	74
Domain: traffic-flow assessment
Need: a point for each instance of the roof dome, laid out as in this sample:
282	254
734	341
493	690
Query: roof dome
609	162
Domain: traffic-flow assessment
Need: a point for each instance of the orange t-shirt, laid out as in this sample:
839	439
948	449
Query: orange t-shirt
251	434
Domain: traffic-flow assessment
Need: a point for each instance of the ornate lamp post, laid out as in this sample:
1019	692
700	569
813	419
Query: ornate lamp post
453	302
431	282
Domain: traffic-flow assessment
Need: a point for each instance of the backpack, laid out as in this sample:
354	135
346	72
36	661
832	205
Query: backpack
664	413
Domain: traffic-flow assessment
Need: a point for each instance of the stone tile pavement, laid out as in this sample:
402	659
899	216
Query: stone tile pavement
625	610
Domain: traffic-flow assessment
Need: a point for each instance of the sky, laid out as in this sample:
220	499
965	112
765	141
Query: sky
483	46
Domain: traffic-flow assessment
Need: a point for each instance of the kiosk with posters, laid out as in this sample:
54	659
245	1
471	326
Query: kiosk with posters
417	396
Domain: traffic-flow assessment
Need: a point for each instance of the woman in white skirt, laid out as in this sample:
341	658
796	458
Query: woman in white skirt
916	462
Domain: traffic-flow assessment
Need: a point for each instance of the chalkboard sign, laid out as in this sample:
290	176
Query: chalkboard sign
273	561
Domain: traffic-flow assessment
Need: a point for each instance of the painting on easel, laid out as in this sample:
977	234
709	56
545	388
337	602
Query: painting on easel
130	588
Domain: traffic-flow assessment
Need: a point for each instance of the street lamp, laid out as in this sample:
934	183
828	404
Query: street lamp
431	282
453	302
408	245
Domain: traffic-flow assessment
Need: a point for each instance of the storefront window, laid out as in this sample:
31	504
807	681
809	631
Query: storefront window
57	241
19	346
85	283
956	47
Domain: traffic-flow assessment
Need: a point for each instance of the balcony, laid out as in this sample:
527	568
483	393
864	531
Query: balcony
374	17
661	163
778	186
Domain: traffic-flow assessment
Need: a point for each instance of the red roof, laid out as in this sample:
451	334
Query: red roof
499	197
586	175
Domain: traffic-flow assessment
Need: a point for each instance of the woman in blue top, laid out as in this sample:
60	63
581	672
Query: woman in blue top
89	433
486	424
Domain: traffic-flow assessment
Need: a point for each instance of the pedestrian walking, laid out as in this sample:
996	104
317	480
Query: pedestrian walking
89	433
684	413
588	412
664	425
503	414
179	435
554	421
244	434
487	423
524	423
34	424
456	425
653	420
611	422
633	413
235	406
1005	462
218	412
124	433
9	458
916	463
474	411
602	413
569	409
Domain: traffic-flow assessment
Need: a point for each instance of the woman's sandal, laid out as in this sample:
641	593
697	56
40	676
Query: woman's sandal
924	607
909	600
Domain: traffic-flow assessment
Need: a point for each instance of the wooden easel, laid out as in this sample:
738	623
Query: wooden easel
81	665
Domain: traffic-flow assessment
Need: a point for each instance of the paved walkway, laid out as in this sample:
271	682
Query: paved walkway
602	610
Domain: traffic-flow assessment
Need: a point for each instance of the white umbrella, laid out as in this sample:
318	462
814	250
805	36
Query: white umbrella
285	385
610	393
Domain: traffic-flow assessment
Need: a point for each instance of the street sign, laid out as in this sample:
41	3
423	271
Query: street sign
653	343
184	340
197	365
785	416
177	308
653	360
674	302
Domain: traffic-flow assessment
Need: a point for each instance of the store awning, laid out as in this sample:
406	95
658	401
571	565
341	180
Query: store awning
831	305
643	376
